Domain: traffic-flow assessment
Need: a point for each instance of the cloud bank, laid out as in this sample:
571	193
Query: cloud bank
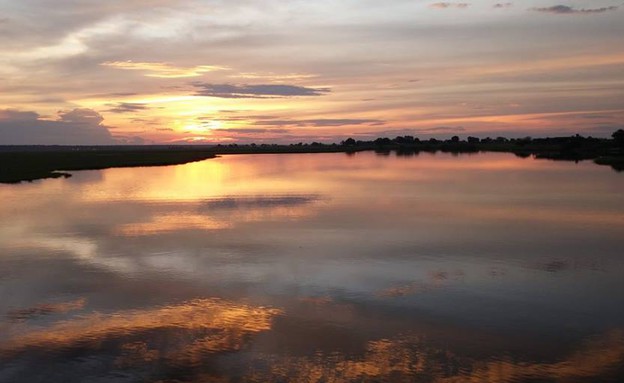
444	5
128	107
567	10
321	122
74	127
256	91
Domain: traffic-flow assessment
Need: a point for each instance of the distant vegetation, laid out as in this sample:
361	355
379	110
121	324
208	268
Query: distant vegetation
574	148
28	163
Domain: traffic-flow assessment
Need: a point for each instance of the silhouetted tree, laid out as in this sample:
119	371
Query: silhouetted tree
383	141
523	141
618	137
455	139
473	140
348	142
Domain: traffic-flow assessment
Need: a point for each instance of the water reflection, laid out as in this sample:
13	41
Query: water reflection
316	268
184	335
411	358
19	315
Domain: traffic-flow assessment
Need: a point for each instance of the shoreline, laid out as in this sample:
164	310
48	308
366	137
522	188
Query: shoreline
30	163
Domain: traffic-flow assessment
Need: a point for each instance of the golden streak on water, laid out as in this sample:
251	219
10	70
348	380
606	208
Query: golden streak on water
407	358
209	325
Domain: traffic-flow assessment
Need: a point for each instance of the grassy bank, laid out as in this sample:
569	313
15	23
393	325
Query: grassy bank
19	164
33	163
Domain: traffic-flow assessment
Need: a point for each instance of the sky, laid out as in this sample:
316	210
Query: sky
283	71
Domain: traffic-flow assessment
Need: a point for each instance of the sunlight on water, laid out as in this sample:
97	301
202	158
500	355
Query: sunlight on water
316	268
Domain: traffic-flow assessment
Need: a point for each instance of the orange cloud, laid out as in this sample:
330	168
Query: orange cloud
163	70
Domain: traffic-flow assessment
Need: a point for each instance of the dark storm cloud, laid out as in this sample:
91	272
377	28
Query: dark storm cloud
567	10
74	127
256	91
321	122
127	107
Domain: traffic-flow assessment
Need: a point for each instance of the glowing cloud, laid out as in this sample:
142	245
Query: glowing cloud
195	58
163	70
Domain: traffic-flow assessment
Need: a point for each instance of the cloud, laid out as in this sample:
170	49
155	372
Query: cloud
17	115
237	118
606	129
437	131
81	116
252	130
321	122
567	10
163	70
256	91
111	95
445	5
273	76
503	5
441	129
127	107
74	127
55	54
131	140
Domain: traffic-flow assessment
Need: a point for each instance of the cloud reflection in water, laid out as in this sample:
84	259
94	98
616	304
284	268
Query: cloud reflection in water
327	268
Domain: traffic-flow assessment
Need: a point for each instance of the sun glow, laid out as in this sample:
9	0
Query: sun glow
195	128
202	127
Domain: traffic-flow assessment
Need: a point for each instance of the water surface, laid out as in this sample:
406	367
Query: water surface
316	268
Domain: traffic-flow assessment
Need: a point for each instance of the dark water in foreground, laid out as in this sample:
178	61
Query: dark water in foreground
316	268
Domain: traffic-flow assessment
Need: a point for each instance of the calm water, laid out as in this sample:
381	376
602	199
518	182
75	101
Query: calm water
316	268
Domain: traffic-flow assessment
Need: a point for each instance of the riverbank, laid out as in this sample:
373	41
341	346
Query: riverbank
29	163
19	164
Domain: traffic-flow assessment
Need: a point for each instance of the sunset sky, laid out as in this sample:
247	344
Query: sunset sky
210	71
